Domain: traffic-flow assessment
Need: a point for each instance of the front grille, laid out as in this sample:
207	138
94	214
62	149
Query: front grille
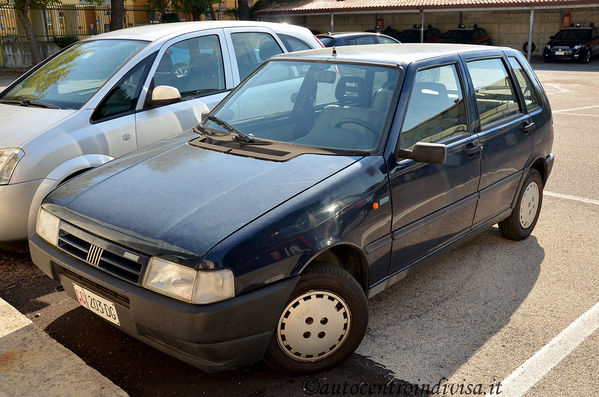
104	255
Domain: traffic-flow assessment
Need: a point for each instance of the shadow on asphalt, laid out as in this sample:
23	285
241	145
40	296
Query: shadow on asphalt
21	283
567	66
143	371
427	326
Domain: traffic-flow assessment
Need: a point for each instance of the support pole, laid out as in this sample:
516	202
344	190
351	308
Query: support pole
421	26
529	47
332	23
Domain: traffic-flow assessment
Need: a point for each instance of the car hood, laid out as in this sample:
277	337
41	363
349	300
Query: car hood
189	197
20	124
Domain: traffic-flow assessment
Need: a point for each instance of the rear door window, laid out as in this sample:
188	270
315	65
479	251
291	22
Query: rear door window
495	94
251	49
292	44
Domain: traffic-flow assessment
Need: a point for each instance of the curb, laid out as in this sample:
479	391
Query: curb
32	363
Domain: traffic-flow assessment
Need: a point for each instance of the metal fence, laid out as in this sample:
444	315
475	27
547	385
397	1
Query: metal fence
76	21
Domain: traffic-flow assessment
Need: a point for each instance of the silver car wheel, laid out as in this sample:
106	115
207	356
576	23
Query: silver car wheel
313	326
529	205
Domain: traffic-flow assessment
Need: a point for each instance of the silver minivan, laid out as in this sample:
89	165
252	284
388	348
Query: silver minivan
111	94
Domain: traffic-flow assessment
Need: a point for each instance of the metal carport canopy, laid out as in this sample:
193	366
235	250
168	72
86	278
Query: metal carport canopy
344	7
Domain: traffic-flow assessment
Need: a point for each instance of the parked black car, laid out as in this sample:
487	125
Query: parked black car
579	43
354	38
412	35
464	35
318	182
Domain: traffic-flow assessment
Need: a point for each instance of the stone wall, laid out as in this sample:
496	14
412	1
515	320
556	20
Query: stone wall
506	28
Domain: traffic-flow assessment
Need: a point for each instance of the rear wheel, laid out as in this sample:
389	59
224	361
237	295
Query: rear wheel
323	322
524	216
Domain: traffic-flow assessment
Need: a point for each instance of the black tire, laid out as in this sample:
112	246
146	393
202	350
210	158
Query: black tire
513	227
320	281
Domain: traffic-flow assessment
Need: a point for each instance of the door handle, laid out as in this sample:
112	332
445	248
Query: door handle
527	126
469	151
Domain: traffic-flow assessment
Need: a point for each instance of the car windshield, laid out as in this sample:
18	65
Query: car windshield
457	34
327	105
573	34
409	35
73	76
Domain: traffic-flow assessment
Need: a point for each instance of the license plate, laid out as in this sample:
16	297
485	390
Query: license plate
560	53
97	304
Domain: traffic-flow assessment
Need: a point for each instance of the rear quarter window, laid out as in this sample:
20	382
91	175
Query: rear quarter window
531	98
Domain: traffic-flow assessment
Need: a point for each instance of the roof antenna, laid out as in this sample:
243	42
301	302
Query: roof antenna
334	51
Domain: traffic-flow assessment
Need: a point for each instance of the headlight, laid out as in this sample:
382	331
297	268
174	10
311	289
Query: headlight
577	47
187	284
548	47
9	158
47	226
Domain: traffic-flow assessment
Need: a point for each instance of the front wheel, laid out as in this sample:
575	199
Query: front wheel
323	322
524	216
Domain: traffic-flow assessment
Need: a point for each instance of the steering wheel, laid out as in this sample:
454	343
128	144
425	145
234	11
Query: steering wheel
365	124
181	70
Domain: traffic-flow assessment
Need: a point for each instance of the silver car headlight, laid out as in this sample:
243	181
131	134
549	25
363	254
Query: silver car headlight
9	158
577	47
47	226
187	284
548	46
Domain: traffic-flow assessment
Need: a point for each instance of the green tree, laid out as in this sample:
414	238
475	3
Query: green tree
22	8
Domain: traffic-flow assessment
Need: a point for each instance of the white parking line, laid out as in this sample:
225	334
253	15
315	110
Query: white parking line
574	109
529	373
569	197
558	87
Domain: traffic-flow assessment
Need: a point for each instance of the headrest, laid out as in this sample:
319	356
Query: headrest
352	90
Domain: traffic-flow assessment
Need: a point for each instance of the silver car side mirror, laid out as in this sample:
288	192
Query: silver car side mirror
165	95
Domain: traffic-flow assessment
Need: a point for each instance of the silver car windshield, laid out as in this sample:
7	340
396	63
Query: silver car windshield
328	105
71	78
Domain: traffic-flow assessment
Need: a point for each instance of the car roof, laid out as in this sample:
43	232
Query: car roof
164	31
391	54
579	28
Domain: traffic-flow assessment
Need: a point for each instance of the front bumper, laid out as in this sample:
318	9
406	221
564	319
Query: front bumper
213	337
571	55
15	202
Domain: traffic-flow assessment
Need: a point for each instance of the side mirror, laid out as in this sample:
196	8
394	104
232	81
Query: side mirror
434	153
165	95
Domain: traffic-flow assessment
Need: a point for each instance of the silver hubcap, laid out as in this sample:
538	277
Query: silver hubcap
313	326
529	205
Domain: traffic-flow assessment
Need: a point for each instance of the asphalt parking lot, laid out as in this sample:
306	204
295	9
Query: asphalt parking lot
521	313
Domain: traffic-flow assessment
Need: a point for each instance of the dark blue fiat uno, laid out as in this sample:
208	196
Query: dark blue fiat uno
325	177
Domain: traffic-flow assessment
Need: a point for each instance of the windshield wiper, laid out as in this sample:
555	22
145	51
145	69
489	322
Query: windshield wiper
28	103
244	137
